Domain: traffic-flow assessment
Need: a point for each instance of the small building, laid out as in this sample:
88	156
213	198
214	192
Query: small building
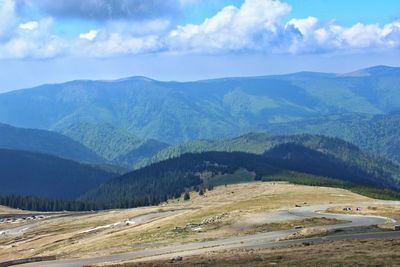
397	227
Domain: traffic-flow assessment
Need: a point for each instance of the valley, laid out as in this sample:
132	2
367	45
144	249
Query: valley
139	172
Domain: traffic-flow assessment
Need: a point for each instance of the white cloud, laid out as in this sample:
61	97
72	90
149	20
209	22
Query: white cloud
251	26
31	25
116	44
305	26
35	42
308	35
256	26
8	18
90	35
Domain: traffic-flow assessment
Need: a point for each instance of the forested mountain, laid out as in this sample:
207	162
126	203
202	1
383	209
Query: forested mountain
314	155
145	150
45	142
378	134
27	173
174	112
307	159
255	143
116	145
258	143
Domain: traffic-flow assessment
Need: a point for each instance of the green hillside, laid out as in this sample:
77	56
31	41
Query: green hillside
259	143
34	174
377	134
170	178
145	149
45	142
255	143
116	145
175	112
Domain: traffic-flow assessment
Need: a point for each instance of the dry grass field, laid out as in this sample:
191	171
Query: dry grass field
225	211
7	210
383	252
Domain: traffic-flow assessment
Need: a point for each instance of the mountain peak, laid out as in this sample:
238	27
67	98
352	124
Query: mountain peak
375	70
134	78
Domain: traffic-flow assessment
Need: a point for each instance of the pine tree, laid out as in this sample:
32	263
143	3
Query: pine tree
186	196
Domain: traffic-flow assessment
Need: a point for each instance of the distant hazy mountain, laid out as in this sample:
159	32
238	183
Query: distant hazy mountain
45	142
378	134
179	111
34	174
116	145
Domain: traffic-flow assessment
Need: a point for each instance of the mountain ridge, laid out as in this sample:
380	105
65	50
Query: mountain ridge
175	112
47	142
145	78
323	158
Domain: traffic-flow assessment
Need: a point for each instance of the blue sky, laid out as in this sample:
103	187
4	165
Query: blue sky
347	12
51	41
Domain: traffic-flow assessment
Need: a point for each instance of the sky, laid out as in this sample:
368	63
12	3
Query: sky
49	41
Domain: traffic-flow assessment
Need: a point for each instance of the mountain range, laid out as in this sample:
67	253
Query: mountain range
174	112
79	141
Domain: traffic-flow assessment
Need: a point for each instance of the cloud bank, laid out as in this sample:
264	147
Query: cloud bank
108	9
145	26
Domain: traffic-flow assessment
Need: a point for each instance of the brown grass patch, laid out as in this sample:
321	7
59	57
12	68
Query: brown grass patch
383	252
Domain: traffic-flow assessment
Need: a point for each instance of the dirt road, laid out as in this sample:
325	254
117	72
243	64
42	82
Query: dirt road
259	240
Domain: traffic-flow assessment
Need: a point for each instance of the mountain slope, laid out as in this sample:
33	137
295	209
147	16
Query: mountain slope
27	173
116	145
166	179
174	112
255	143
377	134
258	143
45	142
146	149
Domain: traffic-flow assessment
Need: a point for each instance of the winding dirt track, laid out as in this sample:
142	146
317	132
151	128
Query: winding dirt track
259	240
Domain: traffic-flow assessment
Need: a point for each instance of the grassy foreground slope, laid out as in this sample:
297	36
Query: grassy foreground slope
382	252
240	208
8	210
